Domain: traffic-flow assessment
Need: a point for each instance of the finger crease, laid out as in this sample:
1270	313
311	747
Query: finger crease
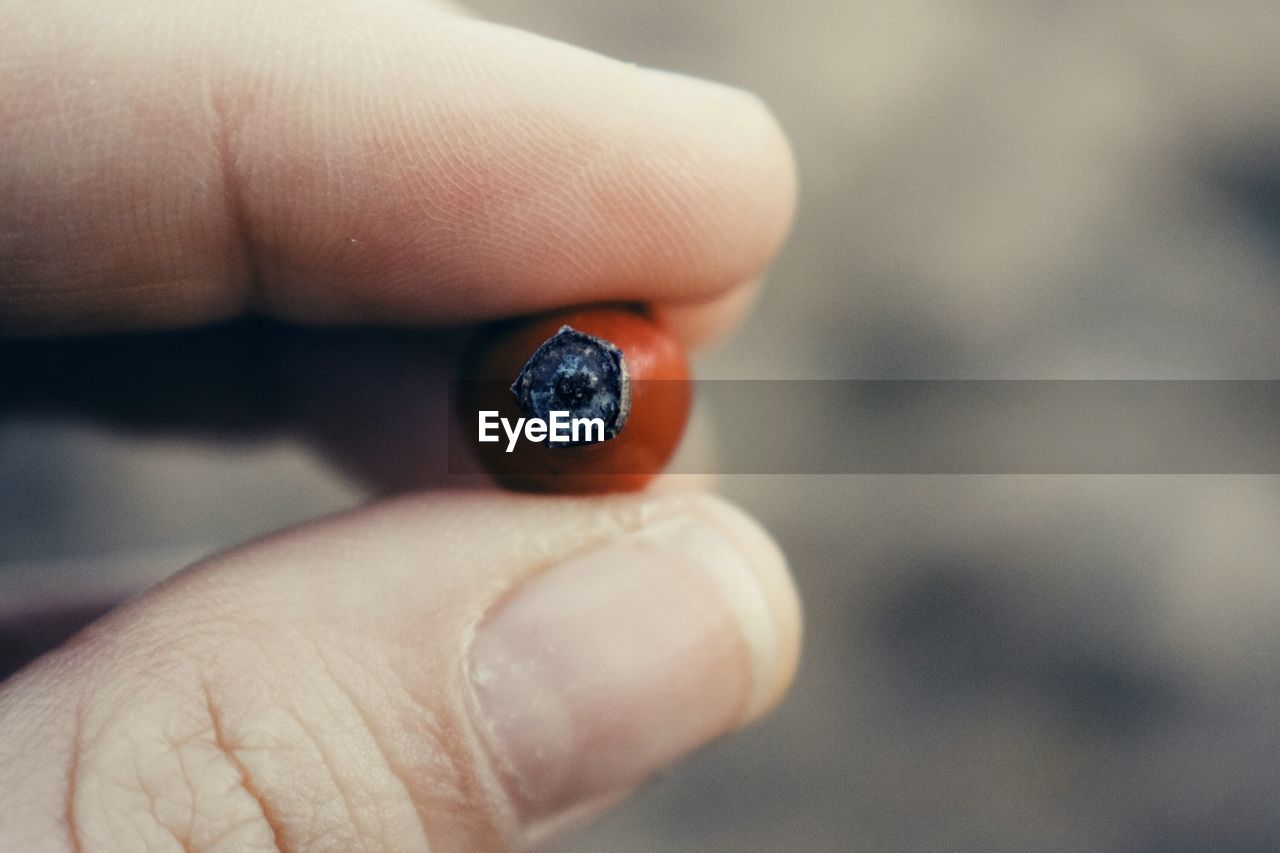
73	772
246	781
224	132
347	694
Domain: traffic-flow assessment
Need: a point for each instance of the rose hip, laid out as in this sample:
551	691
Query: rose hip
611	365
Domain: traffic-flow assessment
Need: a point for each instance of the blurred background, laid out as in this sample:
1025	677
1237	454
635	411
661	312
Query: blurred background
988	190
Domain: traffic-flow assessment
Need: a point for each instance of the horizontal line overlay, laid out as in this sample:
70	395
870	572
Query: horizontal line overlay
983	427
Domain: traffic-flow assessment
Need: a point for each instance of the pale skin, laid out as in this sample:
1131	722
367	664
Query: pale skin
440	671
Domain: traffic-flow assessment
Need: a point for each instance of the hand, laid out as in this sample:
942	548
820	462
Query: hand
437	672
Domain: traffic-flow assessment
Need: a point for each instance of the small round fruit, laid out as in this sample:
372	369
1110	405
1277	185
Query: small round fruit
608	363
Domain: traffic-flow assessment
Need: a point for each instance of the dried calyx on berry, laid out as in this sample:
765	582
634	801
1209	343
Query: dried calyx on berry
580	374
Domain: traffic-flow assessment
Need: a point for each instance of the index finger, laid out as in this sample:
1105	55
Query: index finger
360	163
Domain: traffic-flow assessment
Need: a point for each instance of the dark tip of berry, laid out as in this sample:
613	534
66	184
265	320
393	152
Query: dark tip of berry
576	373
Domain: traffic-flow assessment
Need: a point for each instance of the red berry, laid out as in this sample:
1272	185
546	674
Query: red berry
641	389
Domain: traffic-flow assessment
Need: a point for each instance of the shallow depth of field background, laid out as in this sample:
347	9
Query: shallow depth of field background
989	190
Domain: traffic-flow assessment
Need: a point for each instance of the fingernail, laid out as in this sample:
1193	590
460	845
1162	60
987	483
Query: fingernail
599	671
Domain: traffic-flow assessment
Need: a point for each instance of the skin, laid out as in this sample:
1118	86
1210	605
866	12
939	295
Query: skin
383	162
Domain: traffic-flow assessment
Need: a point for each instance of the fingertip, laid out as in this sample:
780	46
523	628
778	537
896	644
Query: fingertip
760	149
552	176
603	668
773	631
738	147
708	324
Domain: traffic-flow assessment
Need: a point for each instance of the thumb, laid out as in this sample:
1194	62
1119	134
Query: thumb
436	673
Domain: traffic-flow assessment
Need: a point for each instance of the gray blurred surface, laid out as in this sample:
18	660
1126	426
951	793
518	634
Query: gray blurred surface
1001	190
990	190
